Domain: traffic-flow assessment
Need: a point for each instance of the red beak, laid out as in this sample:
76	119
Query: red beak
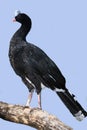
14	20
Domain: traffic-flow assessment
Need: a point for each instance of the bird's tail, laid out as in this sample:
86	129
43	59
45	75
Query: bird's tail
74	107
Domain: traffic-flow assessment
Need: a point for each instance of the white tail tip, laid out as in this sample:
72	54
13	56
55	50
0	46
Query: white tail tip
79	116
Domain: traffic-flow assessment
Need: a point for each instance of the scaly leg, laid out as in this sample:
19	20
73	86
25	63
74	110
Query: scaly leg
29	98
39	101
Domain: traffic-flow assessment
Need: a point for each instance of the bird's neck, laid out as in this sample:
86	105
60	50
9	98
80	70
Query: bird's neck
22	32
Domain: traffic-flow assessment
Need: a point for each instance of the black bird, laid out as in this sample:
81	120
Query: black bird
36	69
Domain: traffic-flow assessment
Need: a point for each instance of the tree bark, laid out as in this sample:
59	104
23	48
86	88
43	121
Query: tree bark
33	117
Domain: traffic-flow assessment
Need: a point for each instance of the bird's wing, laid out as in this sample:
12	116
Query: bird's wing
40	62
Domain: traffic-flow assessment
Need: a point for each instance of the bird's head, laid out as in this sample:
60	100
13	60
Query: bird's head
21	17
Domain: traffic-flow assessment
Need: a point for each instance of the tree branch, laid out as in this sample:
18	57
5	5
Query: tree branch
33	117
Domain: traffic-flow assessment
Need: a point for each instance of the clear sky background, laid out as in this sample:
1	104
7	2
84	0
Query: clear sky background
59	27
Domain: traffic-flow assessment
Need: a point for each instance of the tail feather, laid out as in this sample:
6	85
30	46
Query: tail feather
73	105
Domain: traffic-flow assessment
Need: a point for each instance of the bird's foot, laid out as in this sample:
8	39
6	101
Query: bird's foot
36	108
27	105
39	107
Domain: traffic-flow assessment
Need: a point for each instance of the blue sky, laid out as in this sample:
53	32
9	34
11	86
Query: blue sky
60	29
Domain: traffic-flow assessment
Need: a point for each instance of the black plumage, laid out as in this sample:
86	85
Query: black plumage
35	68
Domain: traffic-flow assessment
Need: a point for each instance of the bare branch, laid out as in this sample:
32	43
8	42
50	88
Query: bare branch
33	117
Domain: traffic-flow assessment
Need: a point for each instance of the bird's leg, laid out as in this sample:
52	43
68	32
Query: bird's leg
39	100
29	98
